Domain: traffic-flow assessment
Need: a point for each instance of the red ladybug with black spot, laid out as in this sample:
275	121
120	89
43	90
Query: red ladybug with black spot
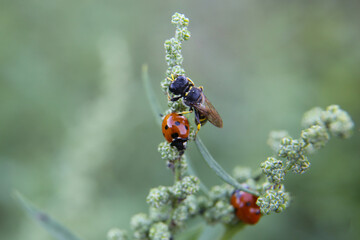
245	206
175	128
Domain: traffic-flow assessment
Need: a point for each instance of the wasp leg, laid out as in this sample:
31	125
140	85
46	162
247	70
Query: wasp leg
201	88
192	83
186	112
197	129
174	98
198	122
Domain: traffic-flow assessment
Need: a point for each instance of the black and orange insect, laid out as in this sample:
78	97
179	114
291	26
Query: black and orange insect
194	98
245	206
175	128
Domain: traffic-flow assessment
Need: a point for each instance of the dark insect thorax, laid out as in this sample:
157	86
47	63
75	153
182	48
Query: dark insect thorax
193	97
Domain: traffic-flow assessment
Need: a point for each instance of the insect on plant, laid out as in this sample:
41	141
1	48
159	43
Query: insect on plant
193	97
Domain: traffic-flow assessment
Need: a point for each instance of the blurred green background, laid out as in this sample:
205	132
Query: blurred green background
78	138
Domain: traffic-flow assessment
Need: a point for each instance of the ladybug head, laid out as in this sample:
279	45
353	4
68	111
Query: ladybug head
179	143
180	85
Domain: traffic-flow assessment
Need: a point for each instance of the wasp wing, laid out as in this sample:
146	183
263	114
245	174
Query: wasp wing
209	111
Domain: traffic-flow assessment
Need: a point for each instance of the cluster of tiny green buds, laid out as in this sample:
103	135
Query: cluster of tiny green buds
117	234
221	211
317	122
158	197
185	210
315	137
187	186
140	224
338	121
216	207
159	231
293	151
274	200
273	170
172	46
181	23
174	58
167	152
159	214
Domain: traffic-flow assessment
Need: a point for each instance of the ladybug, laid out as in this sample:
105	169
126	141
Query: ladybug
175	128
245	206
193	97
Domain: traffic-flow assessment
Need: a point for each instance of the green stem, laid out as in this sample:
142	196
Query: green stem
230	231
177	170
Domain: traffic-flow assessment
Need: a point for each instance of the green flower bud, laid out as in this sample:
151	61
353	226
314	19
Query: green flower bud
167	152
117	234
185	210
180	215
338	121
187	186
160	214
292	149
316	136
158	197
140	223
273	170
159	231
222	211
273	201
180	20
301	165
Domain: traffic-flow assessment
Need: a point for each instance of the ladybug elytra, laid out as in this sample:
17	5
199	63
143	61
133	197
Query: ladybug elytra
245	206
175	128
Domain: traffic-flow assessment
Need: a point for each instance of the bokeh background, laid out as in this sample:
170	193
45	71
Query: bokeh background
78	138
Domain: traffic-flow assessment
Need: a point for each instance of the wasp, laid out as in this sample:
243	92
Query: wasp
194	98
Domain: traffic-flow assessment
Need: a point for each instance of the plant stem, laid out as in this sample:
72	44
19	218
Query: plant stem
177	169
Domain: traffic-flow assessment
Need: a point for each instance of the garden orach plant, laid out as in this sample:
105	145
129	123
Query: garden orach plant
245	197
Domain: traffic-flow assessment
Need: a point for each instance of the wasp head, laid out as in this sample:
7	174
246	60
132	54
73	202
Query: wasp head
180	85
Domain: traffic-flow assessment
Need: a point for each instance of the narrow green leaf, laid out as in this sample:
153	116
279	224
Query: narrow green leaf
154	104
55	229
218	169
